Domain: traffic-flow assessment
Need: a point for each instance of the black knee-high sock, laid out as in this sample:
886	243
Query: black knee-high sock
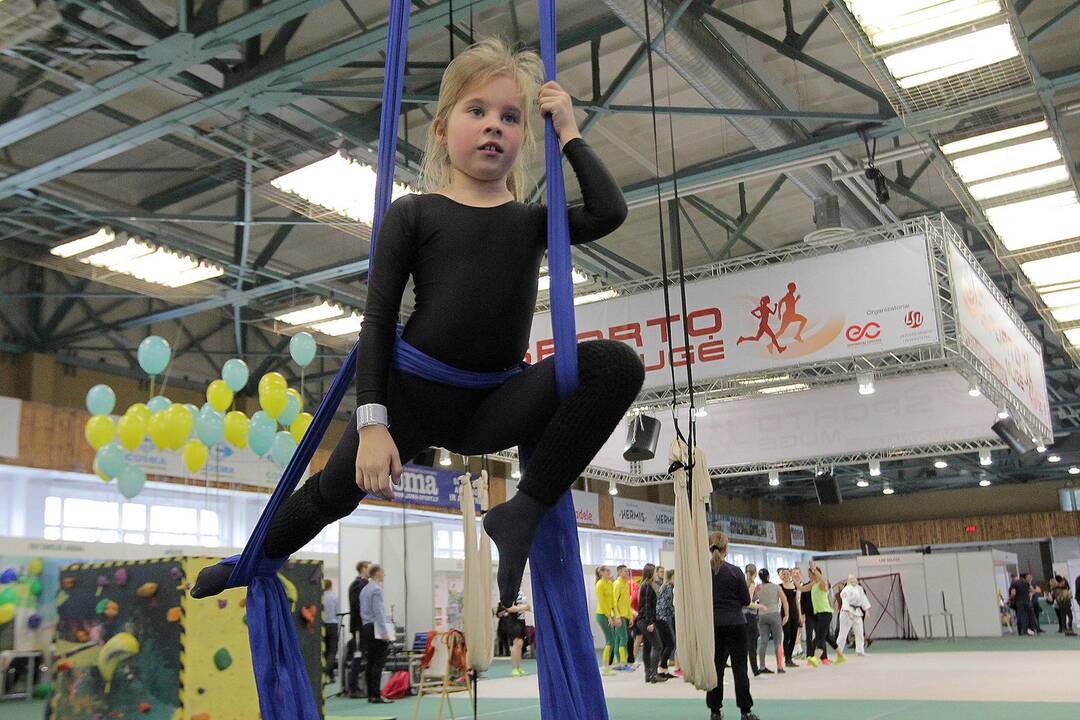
512	526
300	518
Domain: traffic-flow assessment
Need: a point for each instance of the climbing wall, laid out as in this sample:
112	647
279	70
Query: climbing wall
132	643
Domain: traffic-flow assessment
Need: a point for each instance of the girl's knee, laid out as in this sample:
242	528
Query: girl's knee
611	360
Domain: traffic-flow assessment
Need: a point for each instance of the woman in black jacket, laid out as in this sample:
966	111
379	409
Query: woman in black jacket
730	596
646	623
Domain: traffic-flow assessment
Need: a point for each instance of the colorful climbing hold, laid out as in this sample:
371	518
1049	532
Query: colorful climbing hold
7	595
201	716
35	588
308	613
222	659
121	576
243	602
82	636
35	567
67	583
147	590
100	608
111	609
176	573
8	576
222	604
144	707
34	621
173	615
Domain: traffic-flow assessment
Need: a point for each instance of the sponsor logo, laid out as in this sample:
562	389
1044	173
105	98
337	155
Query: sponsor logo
914	319
857	333
418	483
628	514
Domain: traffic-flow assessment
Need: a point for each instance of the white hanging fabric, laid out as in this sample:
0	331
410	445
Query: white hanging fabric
693	574
479	625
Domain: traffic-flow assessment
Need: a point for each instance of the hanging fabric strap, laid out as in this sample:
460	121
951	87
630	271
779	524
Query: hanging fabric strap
285	690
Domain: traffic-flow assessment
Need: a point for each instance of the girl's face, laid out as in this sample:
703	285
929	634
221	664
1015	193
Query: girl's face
483	133
605	573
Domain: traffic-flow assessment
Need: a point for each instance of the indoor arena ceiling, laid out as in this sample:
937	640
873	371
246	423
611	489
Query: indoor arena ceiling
167	120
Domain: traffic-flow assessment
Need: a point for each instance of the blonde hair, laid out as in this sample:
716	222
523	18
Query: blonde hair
718	543
478	65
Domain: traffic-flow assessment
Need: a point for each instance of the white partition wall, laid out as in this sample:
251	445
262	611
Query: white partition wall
355	543
944	593
408	554
979	588
912	578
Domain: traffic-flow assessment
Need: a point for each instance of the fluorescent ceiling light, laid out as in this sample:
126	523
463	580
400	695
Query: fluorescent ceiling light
1005	160
875	468
763	379
120	254
984	483
946	58
985	458
544	282
1074	470
1054	458
794	387
595	297
77	247
1019	183
866	383
308	315
887	490
940	464
992	138
145	262
862	482
342	326
888	23
339	184
1039	221
1061	298
1053	270
774	478
1066	314
1073	336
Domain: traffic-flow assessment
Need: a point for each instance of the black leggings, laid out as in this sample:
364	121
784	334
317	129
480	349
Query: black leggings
566	433
822	622
730	643
1065	618
667	637
752	634
791	629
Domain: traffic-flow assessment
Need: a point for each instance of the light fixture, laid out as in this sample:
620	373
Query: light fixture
515	473
1066	314
940	464
613	489
995	137
444	457
103	236
1003	412
774	478
889	23
543	283
1061	298
1053	458
973	388
1006	160
1074	470
595	297
1042	220
863	482
781	389
1040	448
984	483
699	408
347	325
339	184
956	55
1021	182
312	314
1053	270
866	382
875	468
887	490
763	379
985	458
1073	336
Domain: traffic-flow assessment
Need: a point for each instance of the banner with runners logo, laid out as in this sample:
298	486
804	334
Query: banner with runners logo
872	299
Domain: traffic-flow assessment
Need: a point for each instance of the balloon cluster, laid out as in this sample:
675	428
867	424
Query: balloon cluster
191	430
10	589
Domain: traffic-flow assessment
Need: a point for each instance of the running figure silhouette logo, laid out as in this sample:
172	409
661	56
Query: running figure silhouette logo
786	310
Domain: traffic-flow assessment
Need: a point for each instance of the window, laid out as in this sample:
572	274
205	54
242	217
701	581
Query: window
326	541
81	520
88	520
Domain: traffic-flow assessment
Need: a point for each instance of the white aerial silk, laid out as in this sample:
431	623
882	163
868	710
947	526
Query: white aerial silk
479	626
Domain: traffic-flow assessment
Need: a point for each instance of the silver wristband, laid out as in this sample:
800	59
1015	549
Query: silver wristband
371	414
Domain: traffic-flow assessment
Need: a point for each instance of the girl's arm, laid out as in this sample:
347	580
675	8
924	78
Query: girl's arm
390	267
603	208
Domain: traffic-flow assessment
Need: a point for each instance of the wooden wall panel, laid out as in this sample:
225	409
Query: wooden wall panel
952	530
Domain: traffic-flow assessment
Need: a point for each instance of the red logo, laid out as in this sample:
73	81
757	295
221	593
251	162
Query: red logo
914	319
869	331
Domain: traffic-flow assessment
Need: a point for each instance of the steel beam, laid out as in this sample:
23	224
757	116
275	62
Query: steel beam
1054	21
163	59
751	216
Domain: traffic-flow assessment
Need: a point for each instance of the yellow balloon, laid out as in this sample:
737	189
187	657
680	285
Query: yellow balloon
195	455
132	429
140	410
299	398
178	425
219	395
273	401
34	567
104	478
300	426
99	431
236	428
272	380
7	613
158	429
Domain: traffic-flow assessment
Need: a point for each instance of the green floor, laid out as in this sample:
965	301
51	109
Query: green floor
1008	643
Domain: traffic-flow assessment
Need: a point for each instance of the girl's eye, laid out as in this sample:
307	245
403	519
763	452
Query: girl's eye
510	118
476	111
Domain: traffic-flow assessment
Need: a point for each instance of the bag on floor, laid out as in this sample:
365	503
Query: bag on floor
397	686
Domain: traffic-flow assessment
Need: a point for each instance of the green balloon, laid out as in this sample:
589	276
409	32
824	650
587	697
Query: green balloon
7	596
35	587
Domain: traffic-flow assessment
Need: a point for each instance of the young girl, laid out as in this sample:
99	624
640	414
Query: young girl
605	616
473	249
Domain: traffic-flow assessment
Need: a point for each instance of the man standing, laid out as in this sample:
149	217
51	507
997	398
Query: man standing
512	624
356	647
330	626
376	634
1020	599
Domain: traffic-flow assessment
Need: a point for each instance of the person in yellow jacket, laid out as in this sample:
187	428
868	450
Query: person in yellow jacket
624	615
605	615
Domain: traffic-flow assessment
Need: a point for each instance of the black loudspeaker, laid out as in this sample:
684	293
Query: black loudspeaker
828	489
1018	441
641	439
868	548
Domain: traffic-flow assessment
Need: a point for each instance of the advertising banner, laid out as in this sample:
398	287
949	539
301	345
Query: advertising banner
641	515
586	504
428	486
859	301
226	464
10	417
743	528
993	335
798	536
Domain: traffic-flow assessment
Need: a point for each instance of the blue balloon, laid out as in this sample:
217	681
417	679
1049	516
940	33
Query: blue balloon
111	459
302	349
235	374
131	481
292	409
283	447
154	354
262	418
8	576
210	427
100	400
261	437
158	403
192	409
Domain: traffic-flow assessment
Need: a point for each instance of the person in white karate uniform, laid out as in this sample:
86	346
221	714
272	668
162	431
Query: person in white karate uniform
853	607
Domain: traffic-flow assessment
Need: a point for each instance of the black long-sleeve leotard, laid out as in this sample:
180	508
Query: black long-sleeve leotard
475	274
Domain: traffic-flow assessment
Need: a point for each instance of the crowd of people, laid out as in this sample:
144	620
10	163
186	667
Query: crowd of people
1023	604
